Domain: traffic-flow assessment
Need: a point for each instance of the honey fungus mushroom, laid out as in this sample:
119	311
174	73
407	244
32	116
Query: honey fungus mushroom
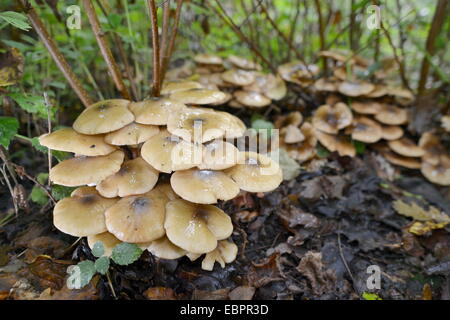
84	170
406	147
332	119
82	214
355	89
252	99
154	111
137	219
108	240
170	87
306	149
69	140
103	117
336	143
256	173
238	77
366	130
196	228
134	177
164	249
438	173
198	96
392	115
225	252
243	63
132	134
218	155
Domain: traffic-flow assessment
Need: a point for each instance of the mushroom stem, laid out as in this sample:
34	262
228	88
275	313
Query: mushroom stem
156	85
59	59
105	50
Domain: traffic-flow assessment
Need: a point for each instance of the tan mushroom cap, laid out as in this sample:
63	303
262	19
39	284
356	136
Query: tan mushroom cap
205	58
213	80
82	215
132	134
218	155
167	190
292	134
203	125
155	111
134	177
84	170
406	147
225	252
333	54
445	121
167	153
389	114
198	96
203	186
366	107
324	84
295	70
69	140
407	162
238	77
306	149
252	98
401	93
437	173
196	227
274	87
379	91
164	249
256	173
108	239
243	63
339	143
366	130
137	219
294	118
355	89
391	132
103	117
332	119
170	87
432	147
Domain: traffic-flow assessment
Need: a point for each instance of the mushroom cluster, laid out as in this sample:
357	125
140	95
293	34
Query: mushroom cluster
150	172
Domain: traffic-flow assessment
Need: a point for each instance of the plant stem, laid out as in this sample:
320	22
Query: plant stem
156	85
173	36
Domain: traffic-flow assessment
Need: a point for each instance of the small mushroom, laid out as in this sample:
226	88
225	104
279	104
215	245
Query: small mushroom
218	155
166	152
445	120
324	84
155	111
203	186
256	173
378	92
108	240
332	119
432	147
84	170
306	149
170	87
167	190
238	77
355	89
69	140
294	118
391	132
437	173
164	249
252	98
296	72
389	114
243	63
137	219
225	252
198	96
132	134
196	227
339	143
134	177
205	58
292	134
406	147
82	214
366	107
394	158
366	130
103	117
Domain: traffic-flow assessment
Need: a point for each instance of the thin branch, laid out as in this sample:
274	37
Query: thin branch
59	59
156	85
173	36
321	34
164	32
105	50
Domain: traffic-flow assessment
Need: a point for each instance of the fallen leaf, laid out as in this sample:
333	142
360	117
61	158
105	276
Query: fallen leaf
160	293
427	294
311	266
242	293
416	212
421	228
221	294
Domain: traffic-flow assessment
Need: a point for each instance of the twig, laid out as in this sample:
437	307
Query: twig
49	125
11	190
156	85
59	59
105	50
164	32
108	276
341	254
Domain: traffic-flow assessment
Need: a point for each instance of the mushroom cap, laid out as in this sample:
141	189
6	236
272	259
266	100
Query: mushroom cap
137	219
218	155
391	132
379	91
205	58
445	120
198	96
164	249
355	89
134	177
69	140
155	111
225	252
401	93
339	143
432	147
437	173
167	190
366	130
366	107
103	117
196	227
389	114
213	80
333	54
306	149
82	215
108	239
166	152
332	119
203	186
292	134
274	87
294	118
238	77
170	87
324	84
132	134
406	147
252	98
256	173
243	63
227	98
394	158
84	170
294	71
203	125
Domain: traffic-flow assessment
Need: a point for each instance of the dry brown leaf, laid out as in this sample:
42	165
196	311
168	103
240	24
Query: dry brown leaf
160	293
421	228
418	213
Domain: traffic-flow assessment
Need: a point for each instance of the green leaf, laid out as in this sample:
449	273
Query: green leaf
98	249
16	19
370	296
31	103
59	155
42	177
38	196
8	129
102	265
322	152
359	146
80	274
126	253
60	192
